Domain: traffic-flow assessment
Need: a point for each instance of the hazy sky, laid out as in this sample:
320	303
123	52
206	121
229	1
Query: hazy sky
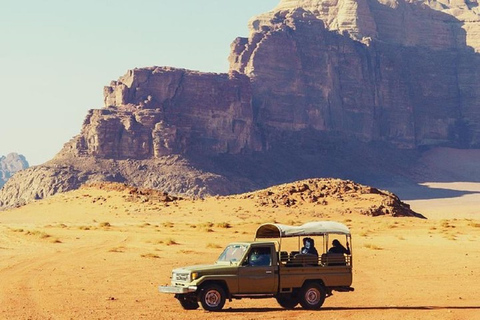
57	55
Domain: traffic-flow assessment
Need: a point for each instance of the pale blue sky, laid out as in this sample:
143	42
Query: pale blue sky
57	55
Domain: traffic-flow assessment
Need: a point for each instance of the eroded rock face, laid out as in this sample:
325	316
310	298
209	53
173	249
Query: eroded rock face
379	88
434	24
376	70
155	112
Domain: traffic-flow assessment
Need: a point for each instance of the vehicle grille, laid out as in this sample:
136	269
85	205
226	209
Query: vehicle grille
183	277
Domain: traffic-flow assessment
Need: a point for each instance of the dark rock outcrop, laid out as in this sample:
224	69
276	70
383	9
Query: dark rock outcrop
317	86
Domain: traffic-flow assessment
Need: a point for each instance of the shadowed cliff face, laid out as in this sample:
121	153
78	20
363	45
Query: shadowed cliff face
321	83
305	76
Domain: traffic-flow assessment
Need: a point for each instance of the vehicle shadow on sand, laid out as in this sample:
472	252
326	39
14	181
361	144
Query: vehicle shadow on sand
402	308
254	310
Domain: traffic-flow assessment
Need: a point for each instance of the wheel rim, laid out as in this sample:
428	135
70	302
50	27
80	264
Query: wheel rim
312	296
212	298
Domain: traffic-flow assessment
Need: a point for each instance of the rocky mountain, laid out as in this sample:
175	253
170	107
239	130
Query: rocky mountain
348	88
10	164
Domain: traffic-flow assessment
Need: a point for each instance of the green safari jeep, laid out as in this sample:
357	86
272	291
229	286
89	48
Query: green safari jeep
264	268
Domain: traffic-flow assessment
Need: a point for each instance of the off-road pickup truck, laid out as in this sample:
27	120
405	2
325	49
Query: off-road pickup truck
262	269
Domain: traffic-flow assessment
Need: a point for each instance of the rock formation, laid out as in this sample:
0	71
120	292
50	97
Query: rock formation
154	112
317	86
324	191
11	164
398	72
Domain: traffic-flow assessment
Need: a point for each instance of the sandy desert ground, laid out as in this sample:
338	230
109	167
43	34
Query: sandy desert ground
100	254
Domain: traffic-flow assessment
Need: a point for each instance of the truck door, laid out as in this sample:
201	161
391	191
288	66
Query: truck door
258	274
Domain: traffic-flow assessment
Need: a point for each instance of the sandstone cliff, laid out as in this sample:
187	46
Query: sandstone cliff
347	88
383	86
154	112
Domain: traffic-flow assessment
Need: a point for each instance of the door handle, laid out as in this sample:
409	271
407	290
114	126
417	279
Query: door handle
268	272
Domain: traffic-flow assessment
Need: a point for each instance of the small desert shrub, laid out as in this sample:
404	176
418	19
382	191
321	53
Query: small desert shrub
150	255
186	251
17	230
451	237
117	249
372	246
474	224
40	234
206	225
84	228
168	224
170	242
224	225
104	225
213	246
446	224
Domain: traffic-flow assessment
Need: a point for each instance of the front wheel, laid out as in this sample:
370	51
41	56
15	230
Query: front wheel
212	297
312	295
188	301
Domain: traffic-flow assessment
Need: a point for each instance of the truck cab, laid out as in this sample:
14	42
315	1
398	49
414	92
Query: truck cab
265	268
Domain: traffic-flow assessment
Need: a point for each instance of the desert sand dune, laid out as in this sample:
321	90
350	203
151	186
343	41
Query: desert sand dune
100	254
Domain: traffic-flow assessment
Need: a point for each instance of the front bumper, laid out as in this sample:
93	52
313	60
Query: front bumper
177	290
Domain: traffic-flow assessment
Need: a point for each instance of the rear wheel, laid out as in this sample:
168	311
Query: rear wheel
288	301
212	297
188	301
312	295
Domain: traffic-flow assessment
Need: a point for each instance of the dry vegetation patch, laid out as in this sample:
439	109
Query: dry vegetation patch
134	194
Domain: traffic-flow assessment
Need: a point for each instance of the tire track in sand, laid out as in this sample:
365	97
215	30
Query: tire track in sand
34	275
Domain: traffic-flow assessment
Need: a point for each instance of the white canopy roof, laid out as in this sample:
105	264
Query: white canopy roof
317	228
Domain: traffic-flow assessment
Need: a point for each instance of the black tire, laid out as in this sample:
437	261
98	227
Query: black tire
188	301
312	295
288	301
212	297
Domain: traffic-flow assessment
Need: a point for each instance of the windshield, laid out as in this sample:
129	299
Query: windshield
233	253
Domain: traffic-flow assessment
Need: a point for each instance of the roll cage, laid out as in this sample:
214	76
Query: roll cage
323	229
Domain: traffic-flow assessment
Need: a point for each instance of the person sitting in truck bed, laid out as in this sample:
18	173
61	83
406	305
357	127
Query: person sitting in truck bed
337	247
309	247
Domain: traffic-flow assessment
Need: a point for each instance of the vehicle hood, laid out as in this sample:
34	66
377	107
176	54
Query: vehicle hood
207	268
